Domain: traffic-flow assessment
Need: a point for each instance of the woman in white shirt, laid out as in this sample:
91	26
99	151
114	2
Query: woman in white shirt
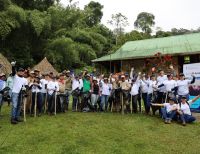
184	110
106	90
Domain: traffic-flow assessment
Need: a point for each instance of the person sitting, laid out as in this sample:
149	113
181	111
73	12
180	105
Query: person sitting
169	110
184	110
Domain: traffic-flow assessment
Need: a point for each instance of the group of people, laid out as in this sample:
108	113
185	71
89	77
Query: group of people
36	93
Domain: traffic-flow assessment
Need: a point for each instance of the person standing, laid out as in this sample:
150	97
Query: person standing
9	83
161	91
19	84
75	93
62	96
183	86
95	93
144	91
2	86
68	87
44	83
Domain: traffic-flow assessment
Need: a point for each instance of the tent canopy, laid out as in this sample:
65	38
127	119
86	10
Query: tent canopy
173	45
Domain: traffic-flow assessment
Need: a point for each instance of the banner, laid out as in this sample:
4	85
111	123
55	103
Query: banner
189	70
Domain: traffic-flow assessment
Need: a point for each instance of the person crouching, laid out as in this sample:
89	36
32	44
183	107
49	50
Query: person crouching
169	110
184	110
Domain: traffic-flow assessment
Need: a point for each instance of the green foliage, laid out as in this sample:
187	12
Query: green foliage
144	22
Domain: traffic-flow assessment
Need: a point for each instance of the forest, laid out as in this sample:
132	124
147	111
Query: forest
68	36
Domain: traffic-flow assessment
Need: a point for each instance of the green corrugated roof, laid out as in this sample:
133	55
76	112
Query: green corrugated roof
173	45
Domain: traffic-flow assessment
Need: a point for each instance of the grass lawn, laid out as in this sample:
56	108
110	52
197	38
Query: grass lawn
103	133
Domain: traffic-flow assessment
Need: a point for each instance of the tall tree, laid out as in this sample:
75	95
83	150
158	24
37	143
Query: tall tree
93	13
119	21
144	22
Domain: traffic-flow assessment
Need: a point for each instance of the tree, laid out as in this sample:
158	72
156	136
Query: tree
119	21
144	22
93	13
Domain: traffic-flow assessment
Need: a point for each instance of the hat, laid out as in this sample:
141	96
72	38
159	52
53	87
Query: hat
32	72
61	74
181	74
20	70
184	97
2	74
123	76
68	71
169	75
105	78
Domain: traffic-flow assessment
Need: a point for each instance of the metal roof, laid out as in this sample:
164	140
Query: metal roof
173	45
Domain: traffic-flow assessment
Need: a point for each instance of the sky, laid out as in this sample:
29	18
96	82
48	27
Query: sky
168	13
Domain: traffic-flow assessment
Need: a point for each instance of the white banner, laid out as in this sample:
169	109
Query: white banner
189	69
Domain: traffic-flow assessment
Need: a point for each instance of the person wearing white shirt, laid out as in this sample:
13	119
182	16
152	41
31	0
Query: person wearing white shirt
160	79
75	93
44	83
2	86
170	85
151	89
36	87
19	83
184	110
168	110
9	83
134	94
106	90
144	91
183	86
52	88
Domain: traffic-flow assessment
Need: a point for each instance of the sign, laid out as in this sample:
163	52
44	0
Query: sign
194	89
191	69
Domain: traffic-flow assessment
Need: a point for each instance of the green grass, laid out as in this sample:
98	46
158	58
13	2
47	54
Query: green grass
103	133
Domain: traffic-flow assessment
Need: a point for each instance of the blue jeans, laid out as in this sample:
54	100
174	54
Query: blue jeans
167	115
16	104
187	118
74	103
149	101
104	101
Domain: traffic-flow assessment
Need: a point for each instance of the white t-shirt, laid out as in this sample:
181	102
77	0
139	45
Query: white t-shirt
170	107
80	83
18	83
144	86
185	108
183	87
169	85
52	86
43	82
151	86
135	88
36	88
75	84
160	80
106	89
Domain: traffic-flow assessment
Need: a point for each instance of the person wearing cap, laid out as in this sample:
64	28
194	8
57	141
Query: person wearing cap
183	86
37	72
95	92
105	94
168	110
19	83
160	79
184	110
36	87
2	86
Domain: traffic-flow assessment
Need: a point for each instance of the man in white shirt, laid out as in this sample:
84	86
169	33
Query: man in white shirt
52	89
36	87
19	83
75	92
44	83
144	90
168	110
160	79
